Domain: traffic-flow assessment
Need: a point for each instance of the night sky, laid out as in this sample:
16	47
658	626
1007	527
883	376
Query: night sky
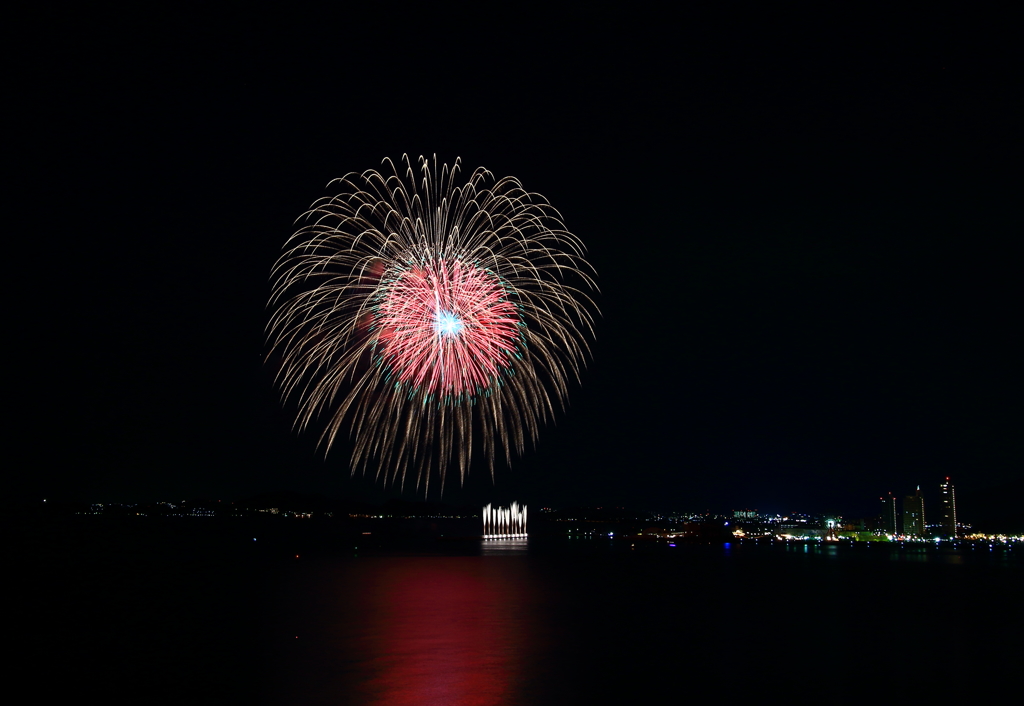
805	225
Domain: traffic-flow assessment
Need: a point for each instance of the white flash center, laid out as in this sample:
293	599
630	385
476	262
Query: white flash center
447	324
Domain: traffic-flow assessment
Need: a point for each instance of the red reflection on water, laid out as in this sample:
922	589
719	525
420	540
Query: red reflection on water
445	630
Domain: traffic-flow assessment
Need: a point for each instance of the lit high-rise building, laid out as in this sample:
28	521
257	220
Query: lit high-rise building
948	499
913	514
888	517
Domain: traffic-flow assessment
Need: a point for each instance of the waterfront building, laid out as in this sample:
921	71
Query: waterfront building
913	514
947	497
888	517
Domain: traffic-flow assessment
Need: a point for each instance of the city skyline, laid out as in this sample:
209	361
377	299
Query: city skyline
906	519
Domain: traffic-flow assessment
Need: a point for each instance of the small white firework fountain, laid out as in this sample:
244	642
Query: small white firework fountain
504	522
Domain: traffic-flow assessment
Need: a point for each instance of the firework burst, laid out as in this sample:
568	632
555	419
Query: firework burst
429	313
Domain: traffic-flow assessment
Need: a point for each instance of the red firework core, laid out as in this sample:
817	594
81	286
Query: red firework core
446	328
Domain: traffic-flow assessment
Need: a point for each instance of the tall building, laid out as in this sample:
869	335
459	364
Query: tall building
913	514
888	517
948	499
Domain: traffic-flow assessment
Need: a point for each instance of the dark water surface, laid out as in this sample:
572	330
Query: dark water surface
169	611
